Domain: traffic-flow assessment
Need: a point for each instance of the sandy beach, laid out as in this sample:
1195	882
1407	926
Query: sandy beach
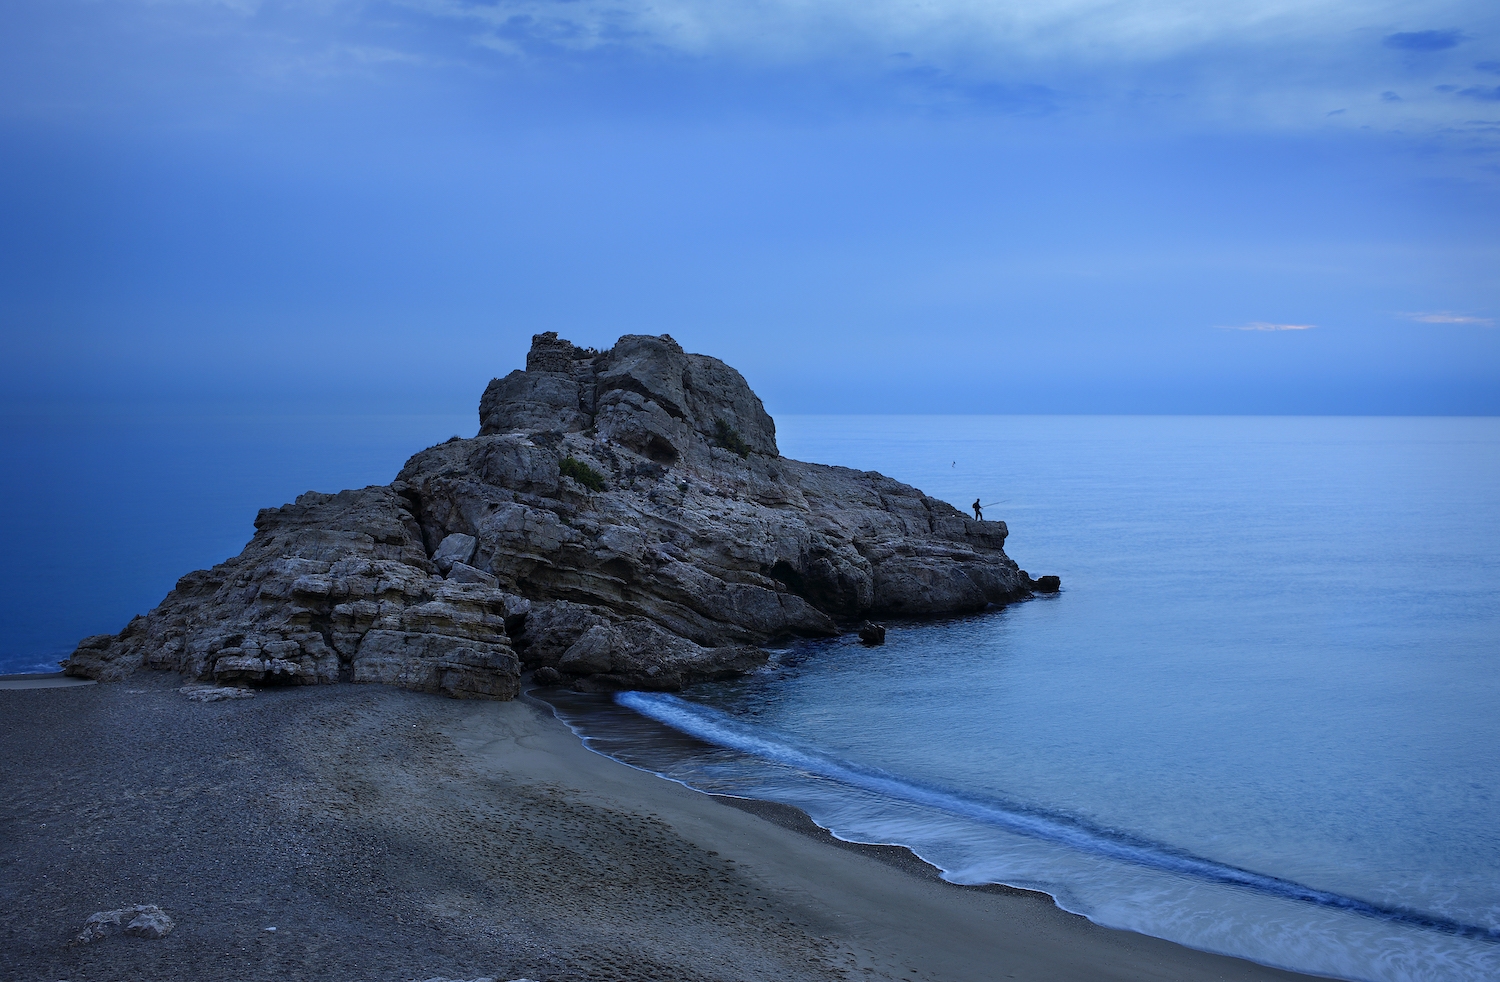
387	835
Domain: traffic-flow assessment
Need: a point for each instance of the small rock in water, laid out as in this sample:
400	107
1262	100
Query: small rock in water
1048	584
871	633
215	693
141	921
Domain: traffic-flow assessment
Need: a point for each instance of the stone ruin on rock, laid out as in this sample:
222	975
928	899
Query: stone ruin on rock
679	540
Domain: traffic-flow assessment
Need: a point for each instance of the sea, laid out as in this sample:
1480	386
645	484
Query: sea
1262	716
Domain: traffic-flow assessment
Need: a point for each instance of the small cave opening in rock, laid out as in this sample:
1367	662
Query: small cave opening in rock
621	569
660	450
787	574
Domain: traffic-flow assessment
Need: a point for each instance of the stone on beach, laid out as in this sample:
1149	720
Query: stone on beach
481	560
140	921
201	692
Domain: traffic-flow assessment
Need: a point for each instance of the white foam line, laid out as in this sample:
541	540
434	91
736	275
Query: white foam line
712	726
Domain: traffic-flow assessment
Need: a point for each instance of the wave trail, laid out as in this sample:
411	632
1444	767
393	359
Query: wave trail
721	729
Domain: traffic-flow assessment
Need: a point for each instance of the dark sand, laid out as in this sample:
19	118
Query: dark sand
393	836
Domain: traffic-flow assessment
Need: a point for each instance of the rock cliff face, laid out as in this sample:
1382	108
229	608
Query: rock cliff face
623	519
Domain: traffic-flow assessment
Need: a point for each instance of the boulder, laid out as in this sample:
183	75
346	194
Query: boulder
464	573
455	666
871	633
591	654
199	692
141	921
455	548
697	543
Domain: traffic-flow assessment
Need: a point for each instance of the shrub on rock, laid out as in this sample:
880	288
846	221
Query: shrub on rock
582	473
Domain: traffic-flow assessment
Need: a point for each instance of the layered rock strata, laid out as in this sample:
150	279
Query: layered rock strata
622	519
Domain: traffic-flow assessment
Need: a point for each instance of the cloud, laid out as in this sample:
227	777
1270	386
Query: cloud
1489	66
1425	40
1446	317
1480	92
1232	63
1233	66
1143	30
976	37
1267	326
1389	97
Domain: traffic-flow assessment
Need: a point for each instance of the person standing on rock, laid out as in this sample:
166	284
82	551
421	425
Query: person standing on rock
978	515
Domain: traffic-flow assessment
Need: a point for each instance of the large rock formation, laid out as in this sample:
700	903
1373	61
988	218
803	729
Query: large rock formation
623	519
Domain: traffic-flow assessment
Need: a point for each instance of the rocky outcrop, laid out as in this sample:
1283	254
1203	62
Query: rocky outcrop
333	587
622	519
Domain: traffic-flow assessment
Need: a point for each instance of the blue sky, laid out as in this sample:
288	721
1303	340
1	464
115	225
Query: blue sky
949	206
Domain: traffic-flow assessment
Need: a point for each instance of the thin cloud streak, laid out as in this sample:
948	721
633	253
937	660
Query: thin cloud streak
1444	317
1267	326
1426	40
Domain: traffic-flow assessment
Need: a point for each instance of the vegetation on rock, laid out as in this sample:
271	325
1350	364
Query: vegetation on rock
582	473
728	437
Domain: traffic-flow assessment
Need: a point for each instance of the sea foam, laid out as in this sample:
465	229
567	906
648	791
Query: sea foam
712	726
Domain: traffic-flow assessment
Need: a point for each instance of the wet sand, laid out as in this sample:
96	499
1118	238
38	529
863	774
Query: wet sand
52	680
390	835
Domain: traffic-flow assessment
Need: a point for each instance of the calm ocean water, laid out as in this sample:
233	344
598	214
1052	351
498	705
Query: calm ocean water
102	512
1259	719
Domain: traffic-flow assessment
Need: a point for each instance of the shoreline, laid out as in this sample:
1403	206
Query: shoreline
902	858
907	864
796	820
392	835
41	680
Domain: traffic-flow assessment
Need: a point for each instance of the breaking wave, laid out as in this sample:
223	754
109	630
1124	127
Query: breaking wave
723	730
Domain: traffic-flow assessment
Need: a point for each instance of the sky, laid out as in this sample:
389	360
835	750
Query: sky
1055	206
